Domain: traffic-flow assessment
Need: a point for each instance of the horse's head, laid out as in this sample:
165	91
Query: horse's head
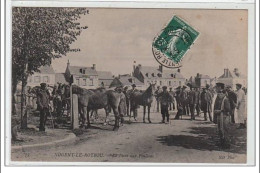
151	90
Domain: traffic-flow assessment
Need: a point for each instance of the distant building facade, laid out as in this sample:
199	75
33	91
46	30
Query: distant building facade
160	76
202	80
127	80
105	78
46	75
232	78
85	77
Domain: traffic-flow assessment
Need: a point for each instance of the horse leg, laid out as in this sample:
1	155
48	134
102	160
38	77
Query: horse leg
149	107
107	114
144	114
116	126
87	110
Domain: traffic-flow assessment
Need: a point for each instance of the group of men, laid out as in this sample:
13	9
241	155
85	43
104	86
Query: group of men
226	103
187	102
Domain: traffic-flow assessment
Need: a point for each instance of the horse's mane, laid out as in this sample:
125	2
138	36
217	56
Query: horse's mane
78	90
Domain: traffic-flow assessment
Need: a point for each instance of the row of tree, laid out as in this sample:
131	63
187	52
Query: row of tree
40	35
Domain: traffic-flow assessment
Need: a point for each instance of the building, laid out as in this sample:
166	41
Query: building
160	76
232	78
60	78
85	77
127	80
105	78
46	75
202	80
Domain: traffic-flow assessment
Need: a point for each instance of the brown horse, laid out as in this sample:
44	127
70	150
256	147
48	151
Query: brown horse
144	99
97	99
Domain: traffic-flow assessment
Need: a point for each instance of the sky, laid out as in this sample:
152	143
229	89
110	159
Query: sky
115	38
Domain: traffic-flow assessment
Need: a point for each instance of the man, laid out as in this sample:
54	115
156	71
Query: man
165	99
127	99
206	100
43	101
192	101
133	107
197	95
179	105
157	92
172	94
233	101
241	106
222	112
184	100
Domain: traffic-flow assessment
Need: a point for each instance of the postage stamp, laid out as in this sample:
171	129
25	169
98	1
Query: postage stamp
170	46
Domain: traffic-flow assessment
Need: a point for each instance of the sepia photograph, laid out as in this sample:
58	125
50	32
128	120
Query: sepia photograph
129	85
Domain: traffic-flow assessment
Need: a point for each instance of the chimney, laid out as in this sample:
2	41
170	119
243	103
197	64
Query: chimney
94	67
134	65
161	68
198	75
68	63
226	72
179	70
236	71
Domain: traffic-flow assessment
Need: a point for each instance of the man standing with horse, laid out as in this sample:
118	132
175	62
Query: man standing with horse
133	106
157	92
165	99
43	101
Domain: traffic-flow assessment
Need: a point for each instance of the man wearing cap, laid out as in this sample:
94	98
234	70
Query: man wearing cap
241	106
179	106
197	96
172	94
233	101
192	101
184	100
165	99
222	112
127	99
157	92
133	107
43	101
206	100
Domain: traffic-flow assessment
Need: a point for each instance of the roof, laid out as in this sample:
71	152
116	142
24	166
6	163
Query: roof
153	72
60	78
105	75
46	69
129	80
231	74
202	76
75	70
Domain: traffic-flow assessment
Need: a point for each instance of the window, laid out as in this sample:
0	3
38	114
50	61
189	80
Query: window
146	74
77	81
179	83
170	83
30	79
153	74
91	82
160	82
46	79
37	79
84	82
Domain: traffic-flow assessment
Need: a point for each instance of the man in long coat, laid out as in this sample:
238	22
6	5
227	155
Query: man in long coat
165	99
157	92
43	101
222	112
184	100
233	101
193	101
206	100
172	94
241	106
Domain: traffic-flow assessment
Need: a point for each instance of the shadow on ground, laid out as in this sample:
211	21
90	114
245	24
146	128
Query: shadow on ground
206	139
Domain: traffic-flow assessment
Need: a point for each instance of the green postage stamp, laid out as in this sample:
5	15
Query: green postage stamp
170	46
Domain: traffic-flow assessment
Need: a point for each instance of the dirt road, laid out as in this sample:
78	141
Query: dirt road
180	141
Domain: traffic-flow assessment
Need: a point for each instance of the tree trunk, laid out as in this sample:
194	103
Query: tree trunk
14	89
24	105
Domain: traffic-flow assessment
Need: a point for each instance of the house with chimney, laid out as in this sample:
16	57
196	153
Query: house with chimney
127	80
232	78
105	78
158	75
46	75
85	77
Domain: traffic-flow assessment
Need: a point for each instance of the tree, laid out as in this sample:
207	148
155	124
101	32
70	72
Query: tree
40	35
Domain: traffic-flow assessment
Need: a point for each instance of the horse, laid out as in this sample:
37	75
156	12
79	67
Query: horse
97	99
144	99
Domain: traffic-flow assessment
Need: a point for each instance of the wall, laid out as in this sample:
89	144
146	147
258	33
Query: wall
31	79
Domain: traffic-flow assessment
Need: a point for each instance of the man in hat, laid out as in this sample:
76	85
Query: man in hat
197	96
206	100
179	105
165	99
184	100
222	112
241	106
133	107
172	94
192	101
127	99
233	101
156	93
43	101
